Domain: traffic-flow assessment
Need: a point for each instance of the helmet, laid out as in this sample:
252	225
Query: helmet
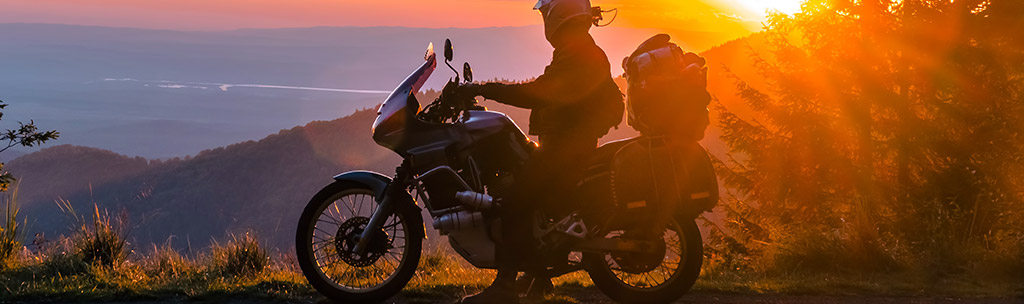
557	13
660	62
666	86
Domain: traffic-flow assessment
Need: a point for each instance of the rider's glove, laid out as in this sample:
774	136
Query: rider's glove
469	90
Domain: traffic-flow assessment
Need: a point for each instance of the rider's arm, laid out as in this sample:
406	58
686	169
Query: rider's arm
569	78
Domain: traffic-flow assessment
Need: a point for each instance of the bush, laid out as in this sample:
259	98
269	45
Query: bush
100	241
241	256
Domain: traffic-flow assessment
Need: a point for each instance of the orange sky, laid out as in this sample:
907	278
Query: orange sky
720	16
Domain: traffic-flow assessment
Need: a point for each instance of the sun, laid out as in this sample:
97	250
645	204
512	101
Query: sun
762	6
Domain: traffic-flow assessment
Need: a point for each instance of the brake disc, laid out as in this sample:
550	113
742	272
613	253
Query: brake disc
348	236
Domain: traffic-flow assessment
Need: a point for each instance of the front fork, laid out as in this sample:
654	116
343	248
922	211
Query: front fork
376	222
386	207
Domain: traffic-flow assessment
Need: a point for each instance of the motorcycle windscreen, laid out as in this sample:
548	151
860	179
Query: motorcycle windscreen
391	116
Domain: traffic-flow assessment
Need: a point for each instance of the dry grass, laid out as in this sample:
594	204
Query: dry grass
240	256
164	273
100	240
93	264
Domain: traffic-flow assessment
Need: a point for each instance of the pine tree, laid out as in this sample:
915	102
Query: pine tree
888	132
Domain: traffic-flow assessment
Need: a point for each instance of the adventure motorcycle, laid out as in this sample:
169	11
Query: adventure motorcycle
360	238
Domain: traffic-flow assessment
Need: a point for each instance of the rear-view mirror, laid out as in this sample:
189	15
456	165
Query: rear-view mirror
448	51
467	72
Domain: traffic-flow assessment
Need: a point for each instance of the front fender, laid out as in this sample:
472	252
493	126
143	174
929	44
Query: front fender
378	183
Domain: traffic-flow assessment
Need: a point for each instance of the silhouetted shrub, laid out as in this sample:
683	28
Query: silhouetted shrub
101	240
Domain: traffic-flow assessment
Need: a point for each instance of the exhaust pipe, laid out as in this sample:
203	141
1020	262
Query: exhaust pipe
466	219
475	200
459	221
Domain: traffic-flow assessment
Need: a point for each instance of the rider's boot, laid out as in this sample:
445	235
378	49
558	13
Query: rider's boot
502	291
534	287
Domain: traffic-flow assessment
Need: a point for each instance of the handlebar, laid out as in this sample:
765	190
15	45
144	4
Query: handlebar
450	105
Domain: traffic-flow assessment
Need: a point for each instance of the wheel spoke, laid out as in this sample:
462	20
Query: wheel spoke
359	207
340	212
330	220
321	230
318	249
373	207
350	206
392	226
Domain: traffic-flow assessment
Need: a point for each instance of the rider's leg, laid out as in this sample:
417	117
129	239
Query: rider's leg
552	169
515	248
560	164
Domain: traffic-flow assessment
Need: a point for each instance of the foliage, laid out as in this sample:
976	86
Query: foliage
887	138
26	135
12	233
241	256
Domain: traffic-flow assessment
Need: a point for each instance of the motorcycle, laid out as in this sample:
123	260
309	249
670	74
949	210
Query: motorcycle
360	238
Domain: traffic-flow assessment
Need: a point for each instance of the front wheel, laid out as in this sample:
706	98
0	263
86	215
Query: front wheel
331	225
661	276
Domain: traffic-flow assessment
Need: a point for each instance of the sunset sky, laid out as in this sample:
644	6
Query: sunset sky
732	18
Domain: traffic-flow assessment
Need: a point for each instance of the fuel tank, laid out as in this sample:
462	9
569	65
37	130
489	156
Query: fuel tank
481	124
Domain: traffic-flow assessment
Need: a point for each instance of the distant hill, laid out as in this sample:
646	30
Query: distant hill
67	169
260	185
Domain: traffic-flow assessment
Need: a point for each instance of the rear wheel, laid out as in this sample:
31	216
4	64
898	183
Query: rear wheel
660	276
331	225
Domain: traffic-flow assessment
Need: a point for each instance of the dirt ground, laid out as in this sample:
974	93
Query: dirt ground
698	297
590	295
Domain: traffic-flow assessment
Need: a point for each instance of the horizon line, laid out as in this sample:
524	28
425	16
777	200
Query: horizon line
262	28
316	27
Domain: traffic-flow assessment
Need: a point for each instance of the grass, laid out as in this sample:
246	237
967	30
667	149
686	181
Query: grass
903	284
61	275
12	233
94	265
241	256
164	273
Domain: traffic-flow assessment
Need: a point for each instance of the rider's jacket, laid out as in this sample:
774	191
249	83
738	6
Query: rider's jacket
575	95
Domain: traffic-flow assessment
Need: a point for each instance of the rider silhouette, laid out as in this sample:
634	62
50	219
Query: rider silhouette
573	103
